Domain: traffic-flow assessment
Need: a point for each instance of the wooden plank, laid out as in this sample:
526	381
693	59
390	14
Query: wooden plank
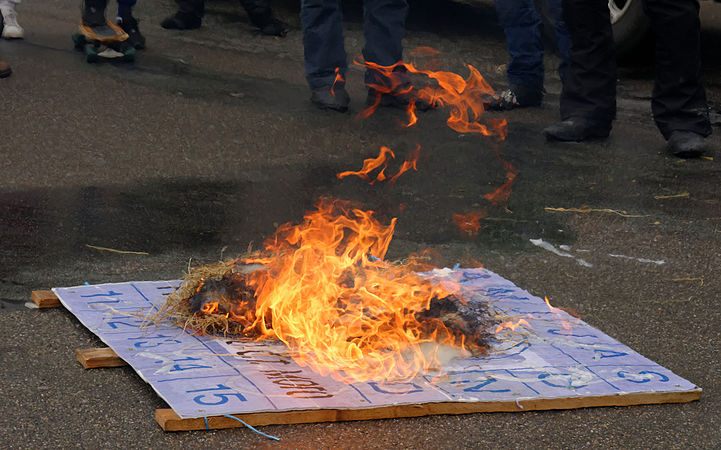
170	421
92	358
45	299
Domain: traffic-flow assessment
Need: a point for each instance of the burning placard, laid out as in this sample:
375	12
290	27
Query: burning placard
323	289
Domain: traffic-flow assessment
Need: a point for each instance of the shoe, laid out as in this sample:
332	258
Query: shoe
11	28
687	144
391	100
181	21
516	97
577	129
327	97
129	24
5	70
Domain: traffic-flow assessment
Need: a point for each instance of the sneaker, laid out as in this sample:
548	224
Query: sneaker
129	24
686	144
11	28
328	97
516	97
577	129
5	70
181	21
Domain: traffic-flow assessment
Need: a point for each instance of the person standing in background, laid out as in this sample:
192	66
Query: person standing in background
522	26
588	100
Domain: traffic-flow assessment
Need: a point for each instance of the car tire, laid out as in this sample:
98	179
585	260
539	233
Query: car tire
630	25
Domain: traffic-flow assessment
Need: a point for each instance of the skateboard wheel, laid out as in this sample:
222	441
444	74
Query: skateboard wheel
91	53
129	54
78	41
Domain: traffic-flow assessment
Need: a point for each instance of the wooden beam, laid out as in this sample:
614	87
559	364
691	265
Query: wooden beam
45	299
92	358
170	421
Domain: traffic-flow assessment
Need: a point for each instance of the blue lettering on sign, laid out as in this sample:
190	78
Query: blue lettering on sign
644	378
473	276
222	398
415	388
109	294
180	368
495	292
566	333
115	323
479	387
147	344
599	354
570	385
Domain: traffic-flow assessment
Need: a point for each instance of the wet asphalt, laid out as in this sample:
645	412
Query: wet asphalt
208	142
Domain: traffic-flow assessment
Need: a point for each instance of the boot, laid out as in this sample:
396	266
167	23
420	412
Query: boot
577	129
687	144
181	21
261	16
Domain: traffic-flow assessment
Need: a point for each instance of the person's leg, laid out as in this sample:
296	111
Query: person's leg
522	27
11	29
384	25
679	99
261	15
129	23
588	99
563	38
324	52
189	16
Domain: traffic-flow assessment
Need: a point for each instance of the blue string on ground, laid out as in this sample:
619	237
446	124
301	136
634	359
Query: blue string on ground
235	418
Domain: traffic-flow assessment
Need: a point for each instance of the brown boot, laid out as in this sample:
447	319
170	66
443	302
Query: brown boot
5	70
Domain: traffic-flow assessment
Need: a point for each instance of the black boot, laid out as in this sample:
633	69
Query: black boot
331	97
261	16
129	24
396	100
181	21
577	129
687	144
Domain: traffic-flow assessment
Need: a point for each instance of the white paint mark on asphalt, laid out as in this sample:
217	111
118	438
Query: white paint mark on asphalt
545	245
643	260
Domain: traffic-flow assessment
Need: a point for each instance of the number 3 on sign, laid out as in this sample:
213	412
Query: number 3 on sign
221	398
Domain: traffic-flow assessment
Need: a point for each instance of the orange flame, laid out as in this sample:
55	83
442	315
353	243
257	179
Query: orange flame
512	326
338	79
329	296
209	308
372	164
554	311
470	223
464	98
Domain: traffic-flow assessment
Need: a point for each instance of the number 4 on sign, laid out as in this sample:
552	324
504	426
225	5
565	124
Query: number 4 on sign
221	398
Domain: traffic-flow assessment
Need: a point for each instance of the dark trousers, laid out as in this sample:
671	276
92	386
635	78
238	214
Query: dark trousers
522	26
589	91
258	10
322	21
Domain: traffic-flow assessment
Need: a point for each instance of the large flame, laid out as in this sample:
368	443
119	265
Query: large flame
328	294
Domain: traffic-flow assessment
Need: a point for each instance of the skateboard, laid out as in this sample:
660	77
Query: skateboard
105	41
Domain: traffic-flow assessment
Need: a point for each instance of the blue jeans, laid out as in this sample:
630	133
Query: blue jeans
522	25
383	28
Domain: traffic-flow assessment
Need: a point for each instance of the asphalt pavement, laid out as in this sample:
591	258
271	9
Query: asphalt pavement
208	141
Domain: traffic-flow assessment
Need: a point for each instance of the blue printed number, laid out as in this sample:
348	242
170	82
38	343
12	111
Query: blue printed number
643	376
479	387
221	398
